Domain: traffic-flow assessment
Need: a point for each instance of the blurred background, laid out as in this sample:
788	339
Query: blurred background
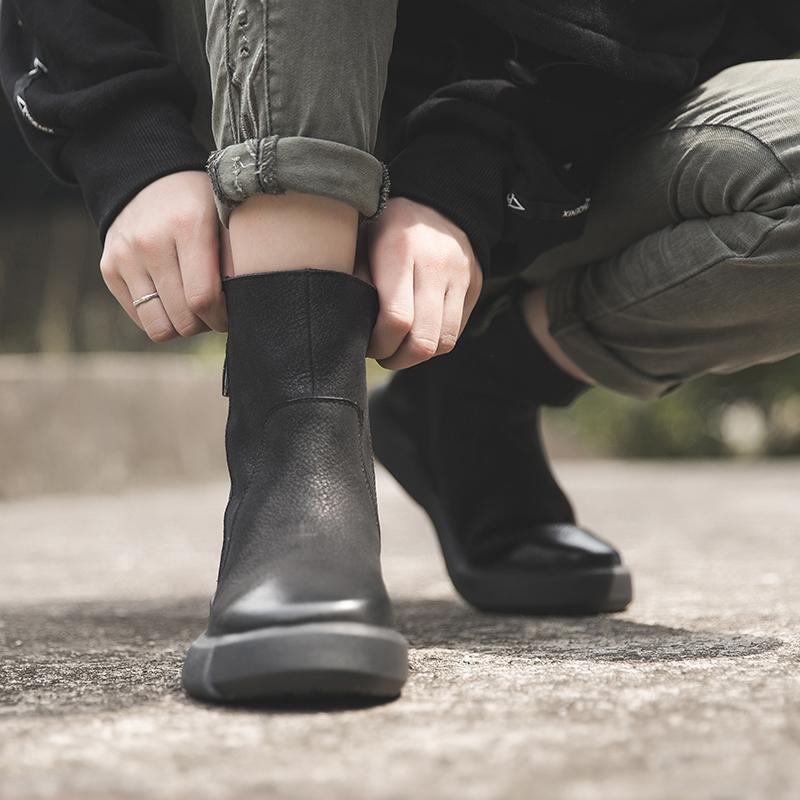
87	402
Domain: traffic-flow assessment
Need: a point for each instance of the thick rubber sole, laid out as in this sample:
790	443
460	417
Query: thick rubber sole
498	589
328	660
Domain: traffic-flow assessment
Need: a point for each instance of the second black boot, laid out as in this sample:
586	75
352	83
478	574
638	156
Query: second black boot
300	607
460	433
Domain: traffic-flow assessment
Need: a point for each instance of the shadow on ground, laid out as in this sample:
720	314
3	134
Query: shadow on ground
89	657
452	625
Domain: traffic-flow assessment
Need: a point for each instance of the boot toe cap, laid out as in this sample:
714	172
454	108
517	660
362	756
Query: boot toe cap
554	547
265	607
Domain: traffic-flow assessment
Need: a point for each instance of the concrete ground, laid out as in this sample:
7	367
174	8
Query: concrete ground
693	693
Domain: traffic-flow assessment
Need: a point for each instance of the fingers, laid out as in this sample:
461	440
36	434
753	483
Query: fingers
136	273
422	340
199	259
428	281
119	289
172	294
165	240
473	293
144	269
393	275
153	318
128	279
452	313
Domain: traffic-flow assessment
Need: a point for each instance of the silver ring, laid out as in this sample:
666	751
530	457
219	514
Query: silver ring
144	298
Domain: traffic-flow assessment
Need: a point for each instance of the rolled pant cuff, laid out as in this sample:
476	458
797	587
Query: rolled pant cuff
275	165
583	346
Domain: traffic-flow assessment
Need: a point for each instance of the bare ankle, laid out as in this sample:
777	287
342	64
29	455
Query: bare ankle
270	233
534	309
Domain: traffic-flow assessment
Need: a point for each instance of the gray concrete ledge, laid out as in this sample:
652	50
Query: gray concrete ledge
103	422
99	423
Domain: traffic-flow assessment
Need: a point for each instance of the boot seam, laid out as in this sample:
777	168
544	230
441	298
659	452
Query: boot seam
226	536
370	487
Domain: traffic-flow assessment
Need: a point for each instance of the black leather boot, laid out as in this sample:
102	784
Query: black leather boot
300	607
460	433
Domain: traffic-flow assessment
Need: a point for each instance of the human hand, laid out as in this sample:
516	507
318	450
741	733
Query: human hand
428	281
166	240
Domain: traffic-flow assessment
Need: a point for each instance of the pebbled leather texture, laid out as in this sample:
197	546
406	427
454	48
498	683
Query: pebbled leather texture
301	533
473	415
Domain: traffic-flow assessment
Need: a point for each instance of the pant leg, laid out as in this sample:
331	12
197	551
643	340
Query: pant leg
690	263
297	90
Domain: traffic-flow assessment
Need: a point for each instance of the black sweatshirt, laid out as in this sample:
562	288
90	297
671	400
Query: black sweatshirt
103	108
95	99
511	157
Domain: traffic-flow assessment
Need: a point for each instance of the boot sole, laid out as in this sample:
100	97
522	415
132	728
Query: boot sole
329	660
504	590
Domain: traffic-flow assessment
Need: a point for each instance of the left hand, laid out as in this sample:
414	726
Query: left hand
165	240
428	281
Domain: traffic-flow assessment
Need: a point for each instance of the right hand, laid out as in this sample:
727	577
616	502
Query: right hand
166	240
428	281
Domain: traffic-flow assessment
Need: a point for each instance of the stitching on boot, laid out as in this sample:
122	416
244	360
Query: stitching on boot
370	486
227	535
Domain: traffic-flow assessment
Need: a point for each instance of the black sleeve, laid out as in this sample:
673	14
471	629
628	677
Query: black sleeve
94	98
468	151
459	169
782	19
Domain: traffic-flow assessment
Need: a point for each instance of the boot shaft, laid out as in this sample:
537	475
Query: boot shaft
293	337
497	354
297	334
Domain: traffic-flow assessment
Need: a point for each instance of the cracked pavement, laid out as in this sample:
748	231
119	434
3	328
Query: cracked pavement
692	693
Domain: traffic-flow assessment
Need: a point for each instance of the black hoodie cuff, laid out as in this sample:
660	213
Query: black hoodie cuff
460	175
114	161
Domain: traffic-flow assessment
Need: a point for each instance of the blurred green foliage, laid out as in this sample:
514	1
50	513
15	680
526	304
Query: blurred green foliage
754	412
